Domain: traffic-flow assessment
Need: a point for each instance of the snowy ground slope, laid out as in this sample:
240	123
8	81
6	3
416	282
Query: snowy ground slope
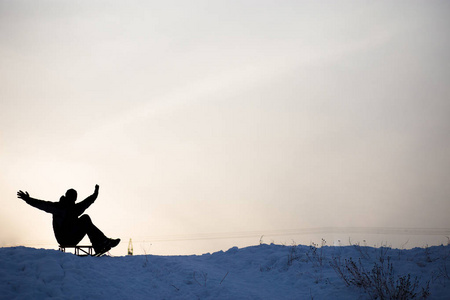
258	272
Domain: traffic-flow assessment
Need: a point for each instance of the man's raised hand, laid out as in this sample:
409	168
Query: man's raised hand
23	195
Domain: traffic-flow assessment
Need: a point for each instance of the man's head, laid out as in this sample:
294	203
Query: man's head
70	197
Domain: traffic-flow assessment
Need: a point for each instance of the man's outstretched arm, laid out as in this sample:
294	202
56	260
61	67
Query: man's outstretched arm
46	206
83	205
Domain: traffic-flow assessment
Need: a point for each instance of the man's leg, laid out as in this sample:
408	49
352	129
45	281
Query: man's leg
96	237
99	241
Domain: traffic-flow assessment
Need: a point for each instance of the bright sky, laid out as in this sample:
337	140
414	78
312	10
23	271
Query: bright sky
206	119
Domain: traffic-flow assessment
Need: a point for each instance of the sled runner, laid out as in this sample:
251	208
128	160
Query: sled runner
79	250
88	250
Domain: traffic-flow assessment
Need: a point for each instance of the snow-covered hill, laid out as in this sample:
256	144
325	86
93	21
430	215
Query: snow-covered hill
258	272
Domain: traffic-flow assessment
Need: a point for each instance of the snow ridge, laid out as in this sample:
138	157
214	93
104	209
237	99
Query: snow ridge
257	272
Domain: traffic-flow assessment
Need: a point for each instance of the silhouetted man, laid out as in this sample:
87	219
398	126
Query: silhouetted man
68	227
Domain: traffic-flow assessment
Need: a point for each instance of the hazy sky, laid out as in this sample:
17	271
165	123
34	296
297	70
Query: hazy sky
203	119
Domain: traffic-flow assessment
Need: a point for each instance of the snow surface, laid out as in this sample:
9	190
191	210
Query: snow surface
257	272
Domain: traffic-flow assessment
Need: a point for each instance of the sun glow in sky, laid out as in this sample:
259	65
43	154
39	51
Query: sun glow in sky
212	119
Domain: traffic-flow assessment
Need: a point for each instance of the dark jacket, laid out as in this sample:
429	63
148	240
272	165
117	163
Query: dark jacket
65	214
